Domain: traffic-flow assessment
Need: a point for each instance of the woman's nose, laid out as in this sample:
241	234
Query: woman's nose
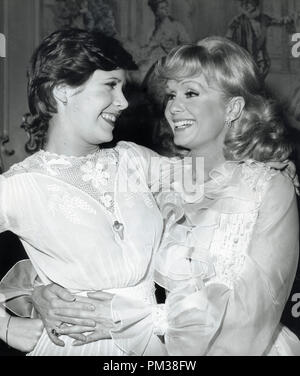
175	106
120	101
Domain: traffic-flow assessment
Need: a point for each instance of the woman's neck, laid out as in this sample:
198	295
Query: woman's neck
213	157
62	142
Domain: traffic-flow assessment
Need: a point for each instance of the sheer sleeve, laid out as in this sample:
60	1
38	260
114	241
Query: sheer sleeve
162	174
16	288
241	318
17	285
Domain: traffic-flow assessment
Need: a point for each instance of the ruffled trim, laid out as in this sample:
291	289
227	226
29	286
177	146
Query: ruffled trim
194	318
16	288
50	154
134	326
187	316
190	227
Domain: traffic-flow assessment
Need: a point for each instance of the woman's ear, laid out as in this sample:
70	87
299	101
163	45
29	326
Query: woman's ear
60	93
235	108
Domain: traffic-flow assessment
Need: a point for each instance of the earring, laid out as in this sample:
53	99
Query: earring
228	123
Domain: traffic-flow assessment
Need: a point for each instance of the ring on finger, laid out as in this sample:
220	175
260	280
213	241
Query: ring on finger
54	332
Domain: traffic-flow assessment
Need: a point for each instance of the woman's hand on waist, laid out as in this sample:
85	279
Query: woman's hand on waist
101	316
52	301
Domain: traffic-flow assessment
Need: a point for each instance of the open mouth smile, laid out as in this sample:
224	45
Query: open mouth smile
183	124
109	118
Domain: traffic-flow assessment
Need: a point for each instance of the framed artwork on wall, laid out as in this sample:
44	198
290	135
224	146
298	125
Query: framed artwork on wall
266	24
150	28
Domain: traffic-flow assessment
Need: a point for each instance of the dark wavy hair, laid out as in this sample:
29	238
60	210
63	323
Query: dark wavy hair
259	133
70	57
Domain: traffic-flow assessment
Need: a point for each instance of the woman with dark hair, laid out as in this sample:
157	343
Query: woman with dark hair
229	257
77	207
229	254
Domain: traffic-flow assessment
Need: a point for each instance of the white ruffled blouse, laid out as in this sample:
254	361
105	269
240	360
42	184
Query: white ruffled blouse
229	261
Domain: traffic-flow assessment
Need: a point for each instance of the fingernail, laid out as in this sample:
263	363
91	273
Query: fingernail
77	343
90	323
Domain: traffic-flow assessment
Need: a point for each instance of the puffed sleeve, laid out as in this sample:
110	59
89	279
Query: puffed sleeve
17	285
242	318
16	288
161	172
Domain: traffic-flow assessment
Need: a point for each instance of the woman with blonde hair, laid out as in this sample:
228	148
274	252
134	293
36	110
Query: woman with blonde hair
229	255
228	259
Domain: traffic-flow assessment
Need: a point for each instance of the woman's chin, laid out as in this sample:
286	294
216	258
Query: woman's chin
182	142
107	137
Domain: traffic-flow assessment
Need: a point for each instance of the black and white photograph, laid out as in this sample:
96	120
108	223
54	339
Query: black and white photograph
149	191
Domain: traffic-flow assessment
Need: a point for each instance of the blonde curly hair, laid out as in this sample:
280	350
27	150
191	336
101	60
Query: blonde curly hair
259	133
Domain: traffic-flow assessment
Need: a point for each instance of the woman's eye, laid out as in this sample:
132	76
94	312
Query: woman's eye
112	84
190	94
169	96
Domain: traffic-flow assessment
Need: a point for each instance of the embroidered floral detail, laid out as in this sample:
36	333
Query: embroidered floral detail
52	165
107	200
19	168
257	175
95	173
62	202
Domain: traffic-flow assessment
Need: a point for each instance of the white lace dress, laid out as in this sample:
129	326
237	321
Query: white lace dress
88	224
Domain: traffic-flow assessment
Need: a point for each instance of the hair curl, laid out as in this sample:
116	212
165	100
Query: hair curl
70	57
259	133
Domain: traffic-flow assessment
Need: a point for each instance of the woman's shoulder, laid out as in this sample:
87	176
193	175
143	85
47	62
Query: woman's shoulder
248	172
249	181
22	167
255	173
125	147
264	179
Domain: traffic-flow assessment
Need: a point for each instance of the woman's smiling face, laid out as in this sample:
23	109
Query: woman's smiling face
195	112
93	109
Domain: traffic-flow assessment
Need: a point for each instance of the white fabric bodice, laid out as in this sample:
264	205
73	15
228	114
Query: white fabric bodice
64	210
229	261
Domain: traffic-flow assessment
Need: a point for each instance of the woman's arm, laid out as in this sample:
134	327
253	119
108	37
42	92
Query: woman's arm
74	316
241	319
19	333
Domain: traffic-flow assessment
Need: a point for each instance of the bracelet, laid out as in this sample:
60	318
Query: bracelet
7	327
